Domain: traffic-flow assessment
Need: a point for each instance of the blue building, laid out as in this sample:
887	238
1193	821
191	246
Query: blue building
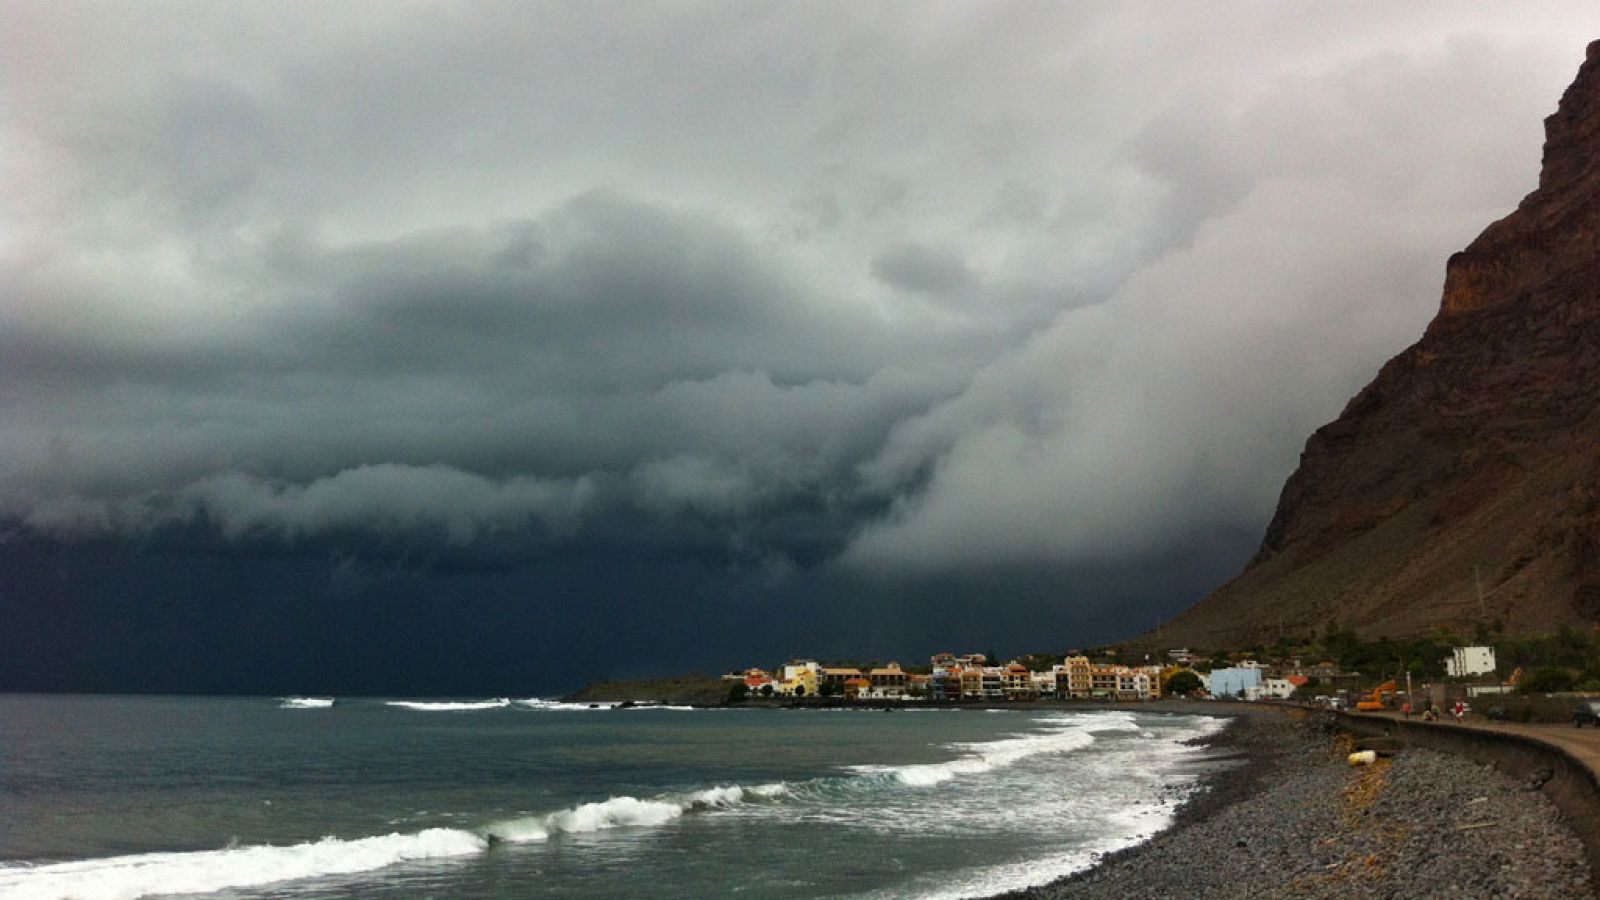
1232	681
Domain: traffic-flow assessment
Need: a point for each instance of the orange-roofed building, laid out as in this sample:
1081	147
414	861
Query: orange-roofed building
837	677
972	683
1018	683
889	681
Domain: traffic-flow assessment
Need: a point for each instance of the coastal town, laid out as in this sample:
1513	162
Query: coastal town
975	678
950	677
972	677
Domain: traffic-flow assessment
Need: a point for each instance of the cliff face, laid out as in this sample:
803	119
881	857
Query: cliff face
1463	484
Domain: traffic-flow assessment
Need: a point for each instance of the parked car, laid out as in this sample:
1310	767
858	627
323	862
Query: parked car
1587	713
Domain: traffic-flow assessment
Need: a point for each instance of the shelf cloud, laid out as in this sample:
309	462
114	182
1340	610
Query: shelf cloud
830	299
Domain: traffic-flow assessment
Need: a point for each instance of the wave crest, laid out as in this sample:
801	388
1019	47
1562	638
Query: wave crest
449	705
563	706
128	877
207	871
1068	736
628	812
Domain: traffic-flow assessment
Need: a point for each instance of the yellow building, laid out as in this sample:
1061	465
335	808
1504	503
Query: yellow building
801	683
972	683
1079	681
1019	682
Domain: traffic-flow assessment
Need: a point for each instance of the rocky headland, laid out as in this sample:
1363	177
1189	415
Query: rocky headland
692	689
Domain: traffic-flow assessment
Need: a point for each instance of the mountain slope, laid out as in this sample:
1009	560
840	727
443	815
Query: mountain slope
1463	484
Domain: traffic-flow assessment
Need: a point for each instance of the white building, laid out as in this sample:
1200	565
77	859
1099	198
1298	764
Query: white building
1234	681
1139	684
795	668
1044	683
1465	661
1277	688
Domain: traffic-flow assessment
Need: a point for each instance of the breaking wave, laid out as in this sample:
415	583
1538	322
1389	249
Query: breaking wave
1067	735
560	705
628	812
449	705
244	867
305	703
540	703
206	871
127	877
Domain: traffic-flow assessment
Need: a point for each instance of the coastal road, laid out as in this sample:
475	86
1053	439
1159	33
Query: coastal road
1582	743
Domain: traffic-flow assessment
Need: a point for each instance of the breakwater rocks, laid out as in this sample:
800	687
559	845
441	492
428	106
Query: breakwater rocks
1294	820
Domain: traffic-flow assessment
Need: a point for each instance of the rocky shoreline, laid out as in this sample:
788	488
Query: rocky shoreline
1290	818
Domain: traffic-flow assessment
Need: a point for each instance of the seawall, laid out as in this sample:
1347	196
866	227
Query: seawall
1571	784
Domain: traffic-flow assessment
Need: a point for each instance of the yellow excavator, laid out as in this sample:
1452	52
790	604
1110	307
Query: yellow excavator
1380	698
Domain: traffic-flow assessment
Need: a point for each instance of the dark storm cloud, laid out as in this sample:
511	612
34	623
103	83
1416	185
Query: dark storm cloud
910	289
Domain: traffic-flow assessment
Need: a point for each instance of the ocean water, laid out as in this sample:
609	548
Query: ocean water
121	797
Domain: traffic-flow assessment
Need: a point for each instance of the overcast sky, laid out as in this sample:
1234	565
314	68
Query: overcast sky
850	307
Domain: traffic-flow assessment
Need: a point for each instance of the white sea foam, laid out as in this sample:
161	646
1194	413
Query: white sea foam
540	703
1120	828
627	812
560	706
451	705
127	877
1134	813
305	703
251	866
734	794
990	755
618	812
1005	877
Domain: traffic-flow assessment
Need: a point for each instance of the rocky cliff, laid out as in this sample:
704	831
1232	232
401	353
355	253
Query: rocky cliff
1463	484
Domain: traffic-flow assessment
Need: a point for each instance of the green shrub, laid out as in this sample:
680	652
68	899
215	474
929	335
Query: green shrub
1548	680
1184	682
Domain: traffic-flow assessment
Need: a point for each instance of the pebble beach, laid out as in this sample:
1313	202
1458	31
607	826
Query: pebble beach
1291	818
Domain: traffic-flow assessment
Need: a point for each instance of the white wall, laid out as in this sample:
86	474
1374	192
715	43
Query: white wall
1466	661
